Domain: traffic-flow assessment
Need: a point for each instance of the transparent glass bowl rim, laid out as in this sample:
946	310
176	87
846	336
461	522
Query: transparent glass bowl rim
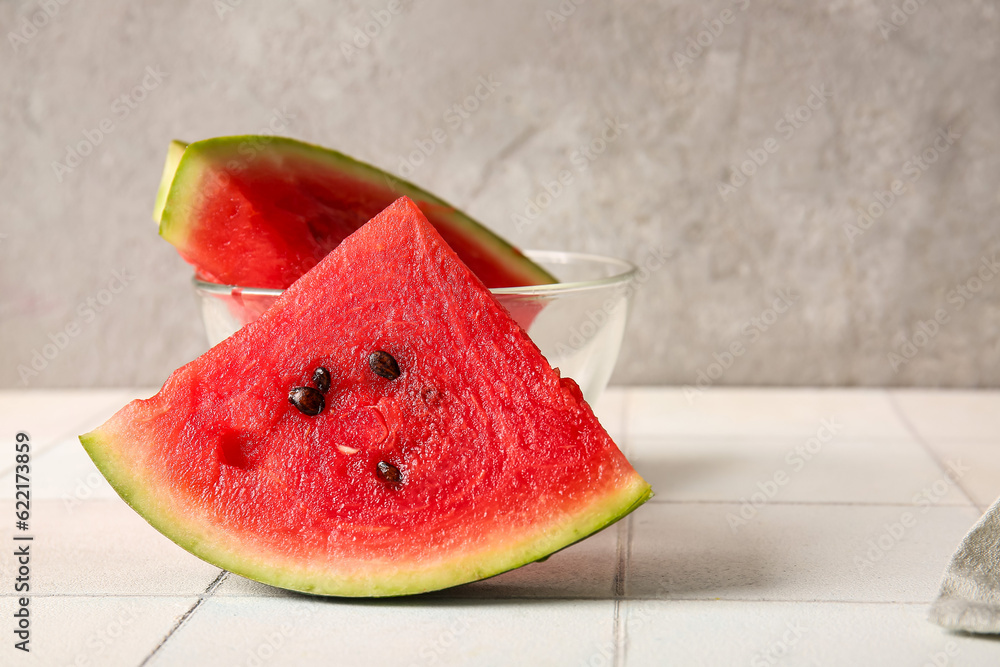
625	270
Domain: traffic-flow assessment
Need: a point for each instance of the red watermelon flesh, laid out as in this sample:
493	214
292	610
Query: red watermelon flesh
261	211
475	459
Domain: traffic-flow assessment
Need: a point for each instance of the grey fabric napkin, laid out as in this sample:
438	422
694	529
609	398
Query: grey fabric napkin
969	600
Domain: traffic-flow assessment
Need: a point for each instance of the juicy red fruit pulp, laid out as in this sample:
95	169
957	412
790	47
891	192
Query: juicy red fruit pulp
280	217
442	447
326	472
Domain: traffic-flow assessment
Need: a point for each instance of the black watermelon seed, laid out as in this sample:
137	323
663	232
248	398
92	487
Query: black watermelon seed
389	472
383	364
308	400
321	378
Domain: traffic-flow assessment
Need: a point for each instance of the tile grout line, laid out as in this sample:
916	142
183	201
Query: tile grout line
61	438
620	544
625	414
629	534
714	600
927	447
807	503
674	437
622	547
622	552
186	615
618	657
616	624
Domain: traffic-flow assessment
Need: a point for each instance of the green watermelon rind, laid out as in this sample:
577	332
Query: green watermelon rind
187	181
175	151
377	579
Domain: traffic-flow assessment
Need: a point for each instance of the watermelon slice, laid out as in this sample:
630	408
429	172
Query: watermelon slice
174	152
436	447
259	211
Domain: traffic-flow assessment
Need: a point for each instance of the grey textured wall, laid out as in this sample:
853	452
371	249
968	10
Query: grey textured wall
827	107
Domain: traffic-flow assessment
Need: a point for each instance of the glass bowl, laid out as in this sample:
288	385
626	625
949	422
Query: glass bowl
578	323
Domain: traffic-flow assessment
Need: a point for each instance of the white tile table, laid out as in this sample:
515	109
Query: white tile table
790	526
